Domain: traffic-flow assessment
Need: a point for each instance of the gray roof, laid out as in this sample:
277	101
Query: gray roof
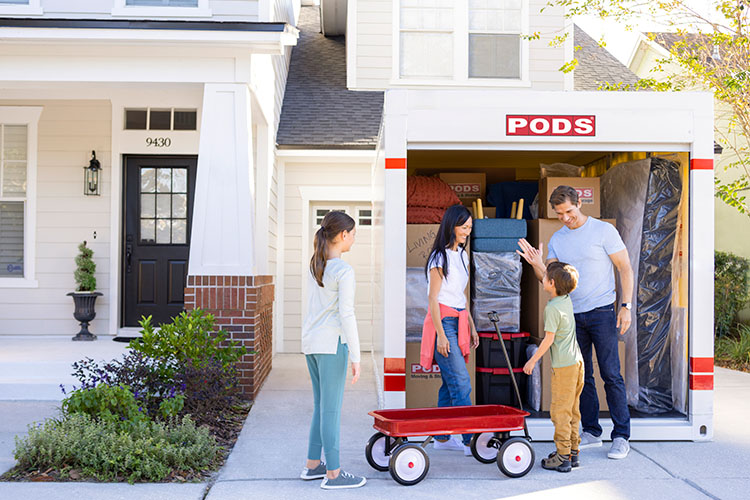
596	65
319	112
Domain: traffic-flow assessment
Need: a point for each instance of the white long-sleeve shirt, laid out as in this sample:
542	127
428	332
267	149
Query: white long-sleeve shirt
330	312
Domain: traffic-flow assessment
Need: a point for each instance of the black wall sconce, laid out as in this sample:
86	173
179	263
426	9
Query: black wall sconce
91	185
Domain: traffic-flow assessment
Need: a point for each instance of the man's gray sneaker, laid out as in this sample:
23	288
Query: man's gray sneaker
318	472
620	448
345	480
588	440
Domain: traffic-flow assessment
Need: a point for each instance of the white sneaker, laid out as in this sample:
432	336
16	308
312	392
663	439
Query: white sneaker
450	445
467	450
588	440
620	448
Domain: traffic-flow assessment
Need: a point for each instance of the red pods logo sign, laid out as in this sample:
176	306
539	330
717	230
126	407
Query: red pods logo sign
550	125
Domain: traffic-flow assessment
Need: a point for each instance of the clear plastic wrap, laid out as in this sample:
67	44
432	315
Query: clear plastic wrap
623	189
416	300
534	384
496	274
660	220
560	170
508	310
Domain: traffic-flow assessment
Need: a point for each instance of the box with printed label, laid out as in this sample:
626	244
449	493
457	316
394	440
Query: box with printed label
422	385
588	193
468	186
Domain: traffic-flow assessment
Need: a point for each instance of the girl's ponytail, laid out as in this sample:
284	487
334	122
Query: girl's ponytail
333	223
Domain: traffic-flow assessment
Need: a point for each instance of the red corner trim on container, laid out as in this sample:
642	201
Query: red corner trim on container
699	164
394	383
395	163
701	382
394	365
702	365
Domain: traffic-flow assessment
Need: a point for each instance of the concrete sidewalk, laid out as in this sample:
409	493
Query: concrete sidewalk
270	452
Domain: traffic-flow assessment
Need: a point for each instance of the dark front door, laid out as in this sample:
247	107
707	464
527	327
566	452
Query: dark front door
158	210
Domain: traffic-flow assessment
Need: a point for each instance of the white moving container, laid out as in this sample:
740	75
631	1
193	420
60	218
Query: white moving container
525	122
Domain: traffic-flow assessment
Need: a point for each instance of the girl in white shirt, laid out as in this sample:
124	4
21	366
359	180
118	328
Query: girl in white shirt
329	337
448	333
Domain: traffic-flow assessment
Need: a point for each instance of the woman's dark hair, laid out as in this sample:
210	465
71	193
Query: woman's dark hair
455	216
333	223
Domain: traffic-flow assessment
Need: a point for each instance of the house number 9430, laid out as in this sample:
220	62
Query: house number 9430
158	142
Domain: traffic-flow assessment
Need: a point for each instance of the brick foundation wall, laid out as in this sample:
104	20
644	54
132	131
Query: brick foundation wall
243	307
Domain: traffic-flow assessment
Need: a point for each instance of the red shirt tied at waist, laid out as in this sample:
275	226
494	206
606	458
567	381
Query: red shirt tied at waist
429	334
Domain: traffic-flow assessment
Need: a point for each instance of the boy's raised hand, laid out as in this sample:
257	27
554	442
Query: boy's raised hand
530	254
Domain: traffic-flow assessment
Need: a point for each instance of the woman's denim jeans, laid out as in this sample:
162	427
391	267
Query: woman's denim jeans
598	329
456	388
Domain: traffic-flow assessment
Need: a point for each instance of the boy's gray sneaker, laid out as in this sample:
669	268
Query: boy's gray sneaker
318	472
620	448
345	480
588	440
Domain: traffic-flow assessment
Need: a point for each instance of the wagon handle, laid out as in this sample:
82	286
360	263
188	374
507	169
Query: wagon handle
495	319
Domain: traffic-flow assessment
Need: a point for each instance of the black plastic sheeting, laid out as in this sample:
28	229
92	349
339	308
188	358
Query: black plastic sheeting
654	311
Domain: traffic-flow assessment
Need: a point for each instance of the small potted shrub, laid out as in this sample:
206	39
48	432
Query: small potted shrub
85	295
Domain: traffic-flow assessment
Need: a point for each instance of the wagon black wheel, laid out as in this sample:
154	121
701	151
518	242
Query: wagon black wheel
516	457
409	464
375	452
484	447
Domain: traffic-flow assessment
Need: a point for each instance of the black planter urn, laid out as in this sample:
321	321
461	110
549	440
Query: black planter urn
84	312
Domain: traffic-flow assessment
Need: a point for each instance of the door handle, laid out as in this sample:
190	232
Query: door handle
128	256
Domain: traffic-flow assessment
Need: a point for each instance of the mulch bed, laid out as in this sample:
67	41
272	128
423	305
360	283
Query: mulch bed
226	430
732	365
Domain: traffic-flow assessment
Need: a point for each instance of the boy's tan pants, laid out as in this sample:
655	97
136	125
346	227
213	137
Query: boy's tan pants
567	385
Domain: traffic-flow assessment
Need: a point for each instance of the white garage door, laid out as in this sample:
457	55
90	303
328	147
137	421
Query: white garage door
359	257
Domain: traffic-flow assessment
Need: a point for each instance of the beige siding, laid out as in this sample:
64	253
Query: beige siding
374	43
295	250
68	131
375	22
224	10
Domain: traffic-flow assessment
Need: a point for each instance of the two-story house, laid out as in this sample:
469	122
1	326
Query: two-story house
179	102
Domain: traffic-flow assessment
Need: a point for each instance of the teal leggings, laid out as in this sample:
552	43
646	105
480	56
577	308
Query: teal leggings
328	374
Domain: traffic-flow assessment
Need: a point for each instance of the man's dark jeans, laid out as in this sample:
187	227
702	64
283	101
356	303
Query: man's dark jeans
598	328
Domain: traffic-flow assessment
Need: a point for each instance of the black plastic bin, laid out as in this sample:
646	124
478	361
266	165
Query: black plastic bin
494	386
490	352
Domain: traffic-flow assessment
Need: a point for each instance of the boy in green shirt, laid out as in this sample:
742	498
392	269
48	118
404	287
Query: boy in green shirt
567	365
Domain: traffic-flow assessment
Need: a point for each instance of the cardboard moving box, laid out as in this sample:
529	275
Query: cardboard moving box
422	385
467	186
545	365
588	193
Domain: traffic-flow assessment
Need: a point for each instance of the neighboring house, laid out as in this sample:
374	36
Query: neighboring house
180	100
732	229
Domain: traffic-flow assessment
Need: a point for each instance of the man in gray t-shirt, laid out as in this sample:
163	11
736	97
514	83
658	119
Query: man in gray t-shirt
595	249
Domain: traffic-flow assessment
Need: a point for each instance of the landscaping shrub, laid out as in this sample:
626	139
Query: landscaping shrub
731	290
149	451
210	390
190	337
735	348
140	373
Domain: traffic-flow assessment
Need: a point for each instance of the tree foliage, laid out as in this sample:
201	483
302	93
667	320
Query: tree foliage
710	49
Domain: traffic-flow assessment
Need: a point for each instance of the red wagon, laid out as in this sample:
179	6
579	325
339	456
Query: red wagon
390	450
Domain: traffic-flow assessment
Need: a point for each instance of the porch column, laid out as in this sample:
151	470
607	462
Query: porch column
222	277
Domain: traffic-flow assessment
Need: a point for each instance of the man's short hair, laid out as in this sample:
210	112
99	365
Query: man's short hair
561	194
564	275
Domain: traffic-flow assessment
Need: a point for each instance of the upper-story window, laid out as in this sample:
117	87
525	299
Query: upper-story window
461	40
163	3
161	8
15	7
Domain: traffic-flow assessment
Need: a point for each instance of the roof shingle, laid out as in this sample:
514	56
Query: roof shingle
596	65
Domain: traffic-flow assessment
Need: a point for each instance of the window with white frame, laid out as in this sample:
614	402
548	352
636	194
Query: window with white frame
426	38
13	198
14	7
461	40
162	3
